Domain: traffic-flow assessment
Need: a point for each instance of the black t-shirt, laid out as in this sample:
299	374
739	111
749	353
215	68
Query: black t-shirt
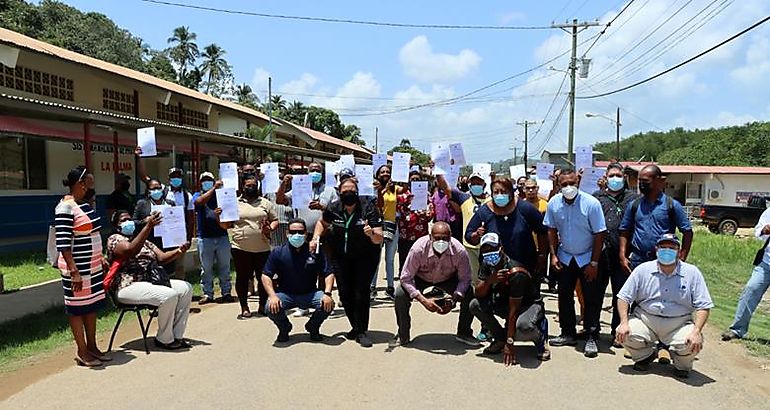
519	285
119	201
347	236
614	206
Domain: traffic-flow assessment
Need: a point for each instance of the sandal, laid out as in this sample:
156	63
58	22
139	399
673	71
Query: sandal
244	315
88	363
100	356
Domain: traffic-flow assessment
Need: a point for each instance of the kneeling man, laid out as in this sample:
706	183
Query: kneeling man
508	290
438	261
672	305
290	278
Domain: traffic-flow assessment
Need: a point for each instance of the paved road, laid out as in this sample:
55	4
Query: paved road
235	365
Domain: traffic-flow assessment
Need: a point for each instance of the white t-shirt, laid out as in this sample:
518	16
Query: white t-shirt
178	198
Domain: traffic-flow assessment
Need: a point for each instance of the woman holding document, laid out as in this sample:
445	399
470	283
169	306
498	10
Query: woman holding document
154	200
250	240
387	200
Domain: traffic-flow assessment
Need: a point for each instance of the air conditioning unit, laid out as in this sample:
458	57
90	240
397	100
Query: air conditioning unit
716	194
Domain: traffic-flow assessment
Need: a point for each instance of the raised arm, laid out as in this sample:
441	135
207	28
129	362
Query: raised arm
125	249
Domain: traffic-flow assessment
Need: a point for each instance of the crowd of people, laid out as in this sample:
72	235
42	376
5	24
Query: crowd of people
487	247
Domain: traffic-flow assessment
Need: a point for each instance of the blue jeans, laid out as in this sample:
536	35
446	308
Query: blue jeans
750	298
390	257
215	250
306	301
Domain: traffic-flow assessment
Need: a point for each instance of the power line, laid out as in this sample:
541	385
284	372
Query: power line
689	60
346	21
606	27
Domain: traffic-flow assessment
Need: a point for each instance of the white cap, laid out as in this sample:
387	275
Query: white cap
490	239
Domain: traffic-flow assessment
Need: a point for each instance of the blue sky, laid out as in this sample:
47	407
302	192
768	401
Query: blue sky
370	70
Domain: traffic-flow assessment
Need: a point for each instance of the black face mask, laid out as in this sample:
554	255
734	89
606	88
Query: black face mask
349	197
251	191
249	174
645	187
124	186
90	193
383	180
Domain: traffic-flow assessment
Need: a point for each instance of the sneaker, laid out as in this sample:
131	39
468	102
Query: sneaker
351	335
545	355
644	364
468	340
592	349
300	312
391	293
205	300
483	335
729	335
364	340
398	341
495	347
373	294
227	299
664	357
563	341
315	334
283	335
681	373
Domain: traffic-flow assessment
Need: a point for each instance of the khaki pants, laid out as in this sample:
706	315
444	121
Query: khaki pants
647	330
473	258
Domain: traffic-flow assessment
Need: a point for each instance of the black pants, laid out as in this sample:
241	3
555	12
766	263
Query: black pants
247	265
610	272
354	275
592	294
403	251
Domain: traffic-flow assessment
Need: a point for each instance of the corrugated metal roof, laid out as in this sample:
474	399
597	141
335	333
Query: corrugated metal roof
694	169
320	136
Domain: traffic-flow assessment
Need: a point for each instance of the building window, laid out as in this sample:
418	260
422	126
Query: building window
168	112
37	82
195	118
118	101
15	170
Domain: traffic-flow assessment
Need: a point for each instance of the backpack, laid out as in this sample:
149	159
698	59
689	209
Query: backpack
669	207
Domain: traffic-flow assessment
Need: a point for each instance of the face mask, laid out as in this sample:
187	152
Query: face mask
125	186
667	256
615	184
297	240
251	191
501	200
491	258
176	182
645	187
90	193
383	180
440	246
127	228
156	194
569	192
207	185
315	177
477	190
349	197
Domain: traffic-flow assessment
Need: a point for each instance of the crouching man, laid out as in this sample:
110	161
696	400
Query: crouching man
672	305
508	290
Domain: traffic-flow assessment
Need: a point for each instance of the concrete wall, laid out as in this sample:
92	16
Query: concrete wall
733	189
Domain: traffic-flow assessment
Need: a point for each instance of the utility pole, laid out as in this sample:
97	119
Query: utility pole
572	67
526	125
515	152
270	107
376	139
617	135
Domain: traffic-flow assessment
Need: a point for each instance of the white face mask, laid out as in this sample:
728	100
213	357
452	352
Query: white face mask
569	192
440	246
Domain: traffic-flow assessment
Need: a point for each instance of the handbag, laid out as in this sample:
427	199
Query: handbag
157	275
760	253
109	280
388	230
52	254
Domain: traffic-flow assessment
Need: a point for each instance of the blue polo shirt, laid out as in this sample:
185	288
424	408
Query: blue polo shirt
669	296
208	222
295	270
650	222
577	223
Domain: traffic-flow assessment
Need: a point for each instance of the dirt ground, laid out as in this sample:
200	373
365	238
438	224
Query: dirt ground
234	364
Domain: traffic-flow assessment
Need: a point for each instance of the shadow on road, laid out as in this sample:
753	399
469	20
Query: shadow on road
137	345
440	343
696	379
526	355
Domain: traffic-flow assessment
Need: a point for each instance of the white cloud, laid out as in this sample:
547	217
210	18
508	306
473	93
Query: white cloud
510	17
259	79
757	66
302	85
420	62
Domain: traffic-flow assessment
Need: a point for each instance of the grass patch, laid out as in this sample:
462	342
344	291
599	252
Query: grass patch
26	268
726	263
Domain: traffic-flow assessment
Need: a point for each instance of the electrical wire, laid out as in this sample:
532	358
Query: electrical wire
689	60
606	27
346	21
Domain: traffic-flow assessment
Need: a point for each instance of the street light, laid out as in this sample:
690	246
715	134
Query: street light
617	123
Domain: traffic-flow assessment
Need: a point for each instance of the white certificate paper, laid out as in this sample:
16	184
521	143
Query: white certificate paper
228	201
271	180
584	158
158	230
457	153
453	175
378	160
400	167
420	199
517	171
347	161
228	173
439	153
174	233
544	170
145	139
589	180
330	173
365	177
301	191
544	187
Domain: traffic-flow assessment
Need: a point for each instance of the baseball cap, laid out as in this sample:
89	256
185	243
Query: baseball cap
668	237
415	169
174	170
476	175
491	239
206	175
121	177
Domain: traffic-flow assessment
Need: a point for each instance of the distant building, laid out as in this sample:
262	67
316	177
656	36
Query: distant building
559	158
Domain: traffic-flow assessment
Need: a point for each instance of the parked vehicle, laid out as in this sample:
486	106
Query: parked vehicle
727	219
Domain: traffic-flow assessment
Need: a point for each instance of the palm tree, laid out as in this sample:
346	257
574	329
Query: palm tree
184	50
244	95
296	112
278	104
405	143
214	65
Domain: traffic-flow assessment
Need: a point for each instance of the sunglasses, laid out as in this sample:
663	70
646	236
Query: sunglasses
296	231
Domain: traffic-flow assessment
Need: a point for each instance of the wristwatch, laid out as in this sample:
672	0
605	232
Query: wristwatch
329	294
509	341
594	264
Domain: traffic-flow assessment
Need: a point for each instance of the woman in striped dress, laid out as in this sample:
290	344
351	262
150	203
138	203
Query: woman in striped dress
81	263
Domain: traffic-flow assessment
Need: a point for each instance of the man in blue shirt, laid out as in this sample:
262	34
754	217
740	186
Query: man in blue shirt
646	219
290	278
213	243
576	234
672	304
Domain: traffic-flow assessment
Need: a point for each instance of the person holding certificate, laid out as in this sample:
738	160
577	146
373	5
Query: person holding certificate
250	241
387	199
154	199
213	244
413	224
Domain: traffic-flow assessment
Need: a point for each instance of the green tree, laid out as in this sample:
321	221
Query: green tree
295	112
160	66
278	106
215	69
244	95
184	51
418	157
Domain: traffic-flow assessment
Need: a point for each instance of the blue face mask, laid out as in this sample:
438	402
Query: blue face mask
667	256
477	190
156	194
297	240
127	228
175	182
315	177
491	258
207	185
615	184
501	200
